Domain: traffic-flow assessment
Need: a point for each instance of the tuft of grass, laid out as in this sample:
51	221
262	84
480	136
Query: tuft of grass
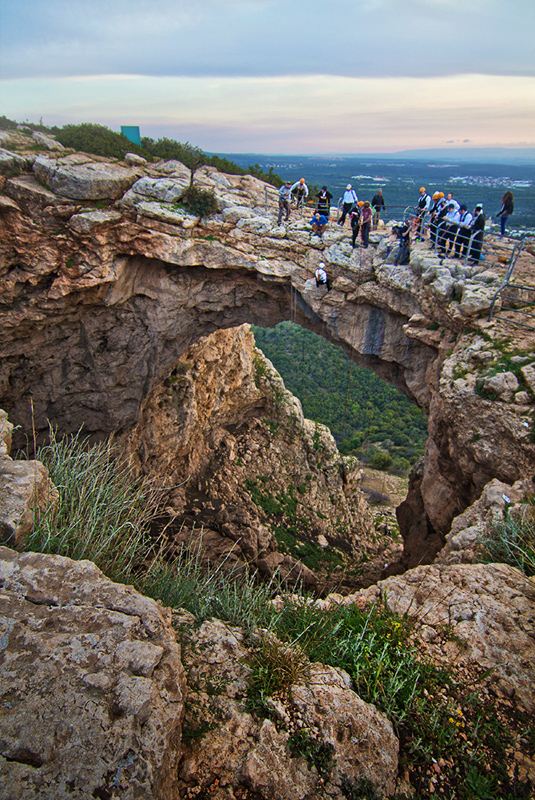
100	514
513	540
275	667
227	591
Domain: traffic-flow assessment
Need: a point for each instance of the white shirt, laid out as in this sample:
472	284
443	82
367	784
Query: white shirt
350	196
321	275
466	219
301	186
453	217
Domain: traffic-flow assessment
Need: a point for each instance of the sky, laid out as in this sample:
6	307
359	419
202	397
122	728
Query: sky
277	76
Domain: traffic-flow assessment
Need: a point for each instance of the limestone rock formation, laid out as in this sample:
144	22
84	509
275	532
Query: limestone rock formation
228	749
246	468
91	685
99	308
478	521
488	611
24	489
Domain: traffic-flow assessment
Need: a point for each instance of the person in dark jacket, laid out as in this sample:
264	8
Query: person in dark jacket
354	216
478	229
506	210
378	205
404	238
324	201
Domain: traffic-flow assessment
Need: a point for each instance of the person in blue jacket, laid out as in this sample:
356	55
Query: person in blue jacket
319	223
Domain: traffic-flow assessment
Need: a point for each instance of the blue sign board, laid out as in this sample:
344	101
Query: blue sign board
132	133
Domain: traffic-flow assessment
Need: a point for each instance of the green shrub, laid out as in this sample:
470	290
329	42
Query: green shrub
201	202
7	124
380	460
97	140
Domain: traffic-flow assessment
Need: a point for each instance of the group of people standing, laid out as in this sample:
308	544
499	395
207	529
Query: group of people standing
454	230
362	214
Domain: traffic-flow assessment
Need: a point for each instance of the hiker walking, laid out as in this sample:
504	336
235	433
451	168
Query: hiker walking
284	201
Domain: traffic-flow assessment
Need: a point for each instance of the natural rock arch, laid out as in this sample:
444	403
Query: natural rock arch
102	349
99	304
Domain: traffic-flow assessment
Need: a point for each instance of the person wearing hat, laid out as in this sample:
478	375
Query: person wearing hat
284	201
463	235
438	213
423	206
324	201
478	229
348	201
321	276
319	223
299	190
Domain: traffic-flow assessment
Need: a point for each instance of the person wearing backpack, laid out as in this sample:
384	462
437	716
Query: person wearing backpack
354	217
348	201
464	233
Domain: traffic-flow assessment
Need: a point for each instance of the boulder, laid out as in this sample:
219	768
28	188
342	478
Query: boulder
133	160
46	140
91	685
244	752
24	489
93	180
87	221
528	374
166	190
504	384
489	610
476	299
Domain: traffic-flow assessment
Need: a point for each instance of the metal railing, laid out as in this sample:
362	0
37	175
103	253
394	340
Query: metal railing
516	297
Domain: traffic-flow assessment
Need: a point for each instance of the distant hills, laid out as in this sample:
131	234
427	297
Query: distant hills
468	155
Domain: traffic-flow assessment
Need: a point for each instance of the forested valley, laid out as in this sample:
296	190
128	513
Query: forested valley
368	417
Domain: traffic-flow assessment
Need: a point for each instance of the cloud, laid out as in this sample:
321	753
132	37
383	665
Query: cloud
309	114
353	38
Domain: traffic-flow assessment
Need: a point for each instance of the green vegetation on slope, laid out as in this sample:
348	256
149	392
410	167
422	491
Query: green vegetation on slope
368	417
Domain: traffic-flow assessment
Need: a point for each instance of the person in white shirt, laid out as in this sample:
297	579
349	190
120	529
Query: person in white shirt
299	190
348	201
463	234
449	230
422	208
451	199
321	276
